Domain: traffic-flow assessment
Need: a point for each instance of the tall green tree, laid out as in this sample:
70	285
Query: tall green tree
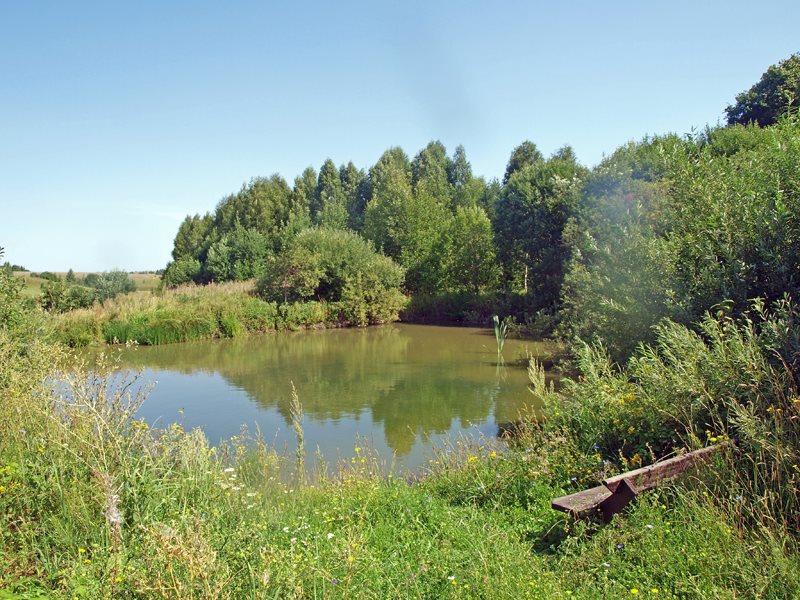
192	237
354	185
390	193
262	204
472	261
330	208
526	154
429	174
304	191
776	92
536	204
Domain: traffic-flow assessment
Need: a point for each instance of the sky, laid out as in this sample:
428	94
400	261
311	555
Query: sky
117	119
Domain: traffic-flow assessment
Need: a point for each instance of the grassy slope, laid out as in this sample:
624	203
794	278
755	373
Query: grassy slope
33	285
479	526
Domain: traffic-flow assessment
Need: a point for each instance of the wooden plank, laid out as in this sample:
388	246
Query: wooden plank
582	503
648	477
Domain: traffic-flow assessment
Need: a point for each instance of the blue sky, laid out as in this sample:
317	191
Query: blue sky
118	119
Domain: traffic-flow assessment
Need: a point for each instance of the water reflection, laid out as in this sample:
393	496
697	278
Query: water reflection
403	386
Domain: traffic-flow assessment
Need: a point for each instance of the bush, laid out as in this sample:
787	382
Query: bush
337	267
184	270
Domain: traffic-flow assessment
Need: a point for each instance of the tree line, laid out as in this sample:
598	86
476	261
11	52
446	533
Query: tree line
667	227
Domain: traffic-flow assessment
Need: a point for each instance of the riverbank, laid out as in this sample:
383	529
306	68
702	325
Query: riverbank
189	313
133	512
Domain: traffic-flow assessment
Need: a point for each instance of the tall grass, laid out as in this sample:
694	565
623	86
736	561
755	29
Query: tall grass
189	313
731	379
296	412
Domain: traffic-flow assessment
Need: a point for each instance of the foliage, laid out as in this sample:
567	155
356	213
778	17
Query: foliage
112	283
184	270
668	228
338	267
239	255
524	155
472	263
537	202
774	95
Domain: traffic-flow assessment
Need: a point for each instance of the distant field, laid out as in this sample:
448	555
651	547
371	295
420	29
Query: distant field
33	285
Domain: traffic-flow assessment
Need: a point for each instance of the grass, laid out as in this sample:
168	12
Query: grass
227	522
189	313
33	285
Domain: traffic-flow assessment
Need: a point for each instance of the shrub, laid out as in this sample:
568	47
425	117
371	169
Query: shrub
338	267
183	270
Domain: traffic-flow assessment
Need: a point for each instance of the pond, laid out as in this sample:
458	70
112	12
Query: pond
401	388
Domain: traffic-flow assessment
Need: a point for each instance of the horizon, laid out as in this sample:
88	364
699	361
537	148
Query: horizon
121	120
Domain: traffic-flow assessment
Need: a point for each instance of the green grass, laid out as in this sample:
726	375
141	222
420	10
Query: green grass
233	522
33	285
191	313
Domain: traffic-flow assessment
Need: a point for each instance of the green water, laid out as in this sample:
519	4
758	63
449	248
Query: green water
399	388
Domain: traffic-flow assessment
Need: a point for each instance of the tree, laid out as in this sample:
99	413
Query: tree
472	263
522	156
429	173
293	275
776	92
354	186
240	255
330	208
113	283
390	192
305	188
529	222
262	204
192	236
467	190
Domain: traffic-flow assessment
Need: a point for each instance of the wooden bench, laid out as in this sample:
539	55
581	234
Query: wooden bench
606	500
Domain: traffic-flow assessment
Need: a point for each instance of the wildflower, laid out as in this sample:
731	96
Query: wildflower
228	470
330	536
473	459
649	526
654	591
81	550
285	530
493	454
634	591
293	540
606	565
620	546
